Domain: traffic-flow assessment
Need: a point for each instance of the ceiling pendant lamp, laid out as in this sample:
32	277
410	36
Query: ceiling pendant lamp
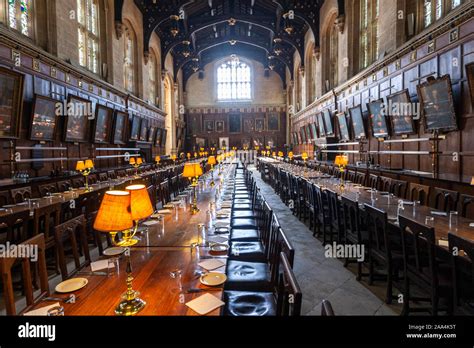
271	63
186	52
289	28
174	25
278	49
195	65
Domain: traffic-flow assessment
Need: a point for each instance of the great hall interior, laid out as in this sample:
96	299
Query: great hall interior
236	157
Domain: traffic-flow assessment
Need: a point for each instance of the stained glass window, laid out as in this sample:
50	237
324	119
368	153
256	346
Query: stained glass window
234	81
436	9
88	34
129	61
152	79
19	16
369	42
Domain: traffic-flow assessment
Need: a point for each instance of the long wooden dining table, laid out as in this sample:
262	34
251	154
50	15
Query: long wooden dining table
388	203
157	254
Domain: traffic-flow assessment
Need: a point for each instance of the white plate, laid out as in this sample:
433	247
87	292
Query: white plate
114	251
71	285
219	248
213	279
165	211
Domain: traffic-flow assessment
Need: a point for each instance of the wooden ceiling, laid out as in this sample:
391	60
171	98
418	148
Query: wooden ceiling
197	32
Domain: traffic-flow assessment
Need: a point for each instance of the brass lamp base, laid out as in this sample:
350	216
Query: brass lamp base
130	306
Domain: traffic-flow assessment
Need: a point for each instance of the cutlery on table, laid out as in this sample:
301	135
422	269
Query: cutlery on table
196	290
68	299
92	273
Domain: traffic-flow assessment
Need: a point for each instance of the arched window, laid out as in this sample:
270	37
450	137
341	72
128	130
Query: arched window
20	16
152	95
434	10
369	43
234	81
129	60
88	34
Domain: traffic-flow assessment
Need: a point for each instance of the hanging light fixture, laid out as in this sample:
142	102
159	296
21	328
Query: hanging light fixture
278	49
271	62
174	25
186	52
289	28
233	42
195	65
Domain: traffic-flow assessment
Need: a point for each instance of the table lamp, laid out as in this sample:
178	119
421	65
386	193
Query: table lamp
195	155
173	158
115	216
140	206
85	168
188	155
342	161
191	172
291	155
158	160
136	163
304	156
212	162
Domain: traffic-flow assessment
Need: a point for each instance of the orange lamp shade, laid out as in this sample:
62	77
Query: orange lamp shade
290	155
140	203
472	181
80	166
114	212
195	154
197	170
132	160
173	157
211	160
89	164
189	171
157	159
139	160
188	155
341	161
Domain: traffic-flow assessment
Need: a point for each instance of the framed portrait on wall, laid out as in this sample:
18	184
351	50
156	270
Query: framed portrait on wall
102	125
249	125
158	137
260	125
328	123
144	130
378	119
77	120
470	79
209	126
401	113
11	102
164	134
303	135
321	126
235	123
273	122
223	143
314	129
220	126
357	120
151	134
309	132
135	130
437	105
343	127
194	124
44	120
120	128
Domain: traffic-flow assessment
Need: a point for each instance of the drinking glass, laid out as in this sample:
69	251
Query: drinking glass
415	204
453	219
429	221
177	274
57	311
113	266
175	212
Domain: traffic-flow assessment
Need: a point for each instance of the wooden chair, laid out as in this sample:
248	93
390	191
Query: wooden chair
372	181
78	182
69	231
422	267
92	179
466	206
15	227
152	193
44	221
289	296
5	198
335	218
326	309
19	195
353	230
399	188
381	249
6	265
121	173
351	176
47	189
103	177
111	174
165	194
384	184
445	200
360	178
322	211
462	257
64	185
420	193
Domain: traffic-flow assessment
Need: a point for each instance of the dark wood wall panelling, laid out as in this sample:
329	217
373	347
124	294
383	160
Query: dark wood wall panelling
44	76
248	132
406	73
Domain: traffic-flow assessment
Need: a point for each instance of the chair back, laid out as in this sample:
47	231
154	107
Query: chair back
445	200
64	185
45	218
326	309
419	193
384	184
5	198
68	232
165	194
19	195
335	217
289	294
16	227
47	189
377	226
103	177
351	221
399	188
6	265
466	206
360	178
418	246
372	181
462	256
